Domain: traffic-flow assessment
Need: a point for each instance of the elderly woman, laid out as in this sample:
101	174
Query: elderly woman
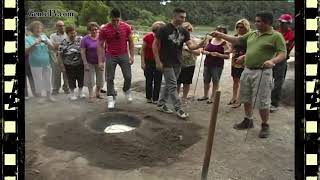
90	60
28	73
216	51
37	47
188	64
70	61
152	75
238	52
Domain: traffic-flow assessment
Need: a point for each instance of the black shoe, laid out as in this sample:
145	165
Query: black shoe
181	114
103	91
55	92
273	109
245	124
202	98
165	109
265	131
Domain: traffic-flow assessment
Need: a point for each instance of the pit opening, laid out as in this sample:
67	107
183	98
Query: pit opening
114	123
154	142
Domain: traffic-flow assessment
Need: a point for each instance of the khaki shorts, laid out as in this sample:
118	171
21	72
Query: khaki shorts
93	73
249	83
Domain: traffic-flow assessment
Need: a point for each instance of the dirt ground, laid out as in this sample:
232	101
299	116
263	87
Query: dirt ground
61	146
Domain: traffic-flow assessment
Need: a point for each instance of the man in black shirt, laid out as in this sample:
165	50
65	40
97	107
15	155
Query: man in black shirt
167	49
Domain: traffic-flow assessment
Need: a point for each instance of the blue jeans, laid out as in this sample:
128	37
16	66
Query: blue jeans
111	64
170	75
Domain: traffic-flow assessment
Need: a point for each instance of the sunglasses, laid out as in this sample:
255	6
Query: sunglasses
96	29
190	29
239	27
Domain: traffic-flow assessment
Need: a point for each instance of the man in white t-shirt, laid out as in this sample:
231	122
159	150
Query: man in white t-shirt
56	38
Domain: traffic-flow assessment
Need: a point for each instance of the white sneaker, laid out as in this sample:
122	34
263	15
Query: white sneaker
42	100
128	96
51	99
82	94
73	96
273	109
111	102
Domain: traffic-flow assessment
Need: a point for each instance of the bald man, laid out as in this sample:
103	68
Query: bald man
56	39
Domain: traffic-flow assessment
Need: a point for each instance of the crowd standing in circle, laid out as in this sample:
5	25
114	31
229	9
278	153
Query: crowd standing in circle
168	54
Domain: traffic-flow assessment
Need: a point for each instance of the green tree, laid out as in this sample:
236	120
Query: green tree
95	11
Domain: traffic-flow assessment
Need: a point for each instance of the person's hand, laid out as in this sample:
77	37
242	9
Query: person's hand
143	66
240	60
86	67
213	54
38	41
205	52
101	66
131	60
216	34
45	41
269	64
159	66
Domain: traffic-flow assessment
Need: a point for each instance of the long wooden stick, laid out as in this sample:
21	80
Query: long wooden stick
212	128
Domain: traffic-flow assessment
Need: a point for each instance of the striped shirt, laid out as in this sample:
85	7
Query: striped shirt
116	39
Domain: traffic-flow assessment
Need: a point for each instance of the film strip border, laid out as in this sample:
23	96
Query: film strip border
12	73
312	90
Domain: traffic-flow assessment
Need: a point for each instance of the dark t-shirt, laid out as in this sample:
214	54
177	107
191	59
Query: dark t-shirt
171	40
213	61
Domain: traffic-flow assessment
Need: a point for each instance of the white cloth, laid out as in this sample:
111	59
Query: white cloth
42	78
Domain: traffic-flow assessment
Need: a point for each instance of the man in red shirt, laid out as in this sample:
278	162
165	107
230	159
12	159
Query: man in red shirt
279	71
115	37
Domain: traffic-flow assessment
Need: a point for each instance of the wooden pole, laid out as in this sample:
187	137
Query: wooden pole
212	127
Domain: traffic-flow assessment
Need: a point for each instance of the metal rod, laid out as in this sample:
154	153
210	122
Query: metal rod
212	127
195	88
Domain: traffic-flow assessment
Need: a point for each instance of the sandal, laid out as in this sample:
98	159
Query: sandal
236	105
203	99
209	101
99	97
184	101
91	100
232	102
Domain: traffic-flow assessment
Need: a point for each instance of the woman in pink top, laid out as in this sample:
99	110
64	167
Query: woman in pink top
90	60
216	51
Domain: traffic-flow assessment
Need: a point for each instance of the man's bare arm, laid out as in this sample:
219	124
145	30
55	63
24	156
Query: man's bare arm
100	50
229	38
193	46
131	46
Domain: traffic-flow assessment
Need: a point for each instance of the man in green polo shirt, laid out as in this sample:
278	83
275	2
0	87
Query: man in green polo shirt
265	48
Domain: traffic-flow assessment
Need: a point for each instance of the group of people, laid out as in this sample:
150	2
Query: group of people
168	55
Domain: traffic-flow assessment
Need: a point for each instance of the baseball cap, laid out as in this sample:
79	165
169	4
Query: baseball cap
285	18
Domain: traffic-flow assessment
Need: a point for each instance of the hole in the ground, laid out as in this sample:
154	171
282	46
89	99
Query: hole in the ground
155	141
113	123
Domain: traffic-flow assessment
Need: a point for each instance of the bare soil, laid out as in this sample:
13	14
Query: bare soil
153	142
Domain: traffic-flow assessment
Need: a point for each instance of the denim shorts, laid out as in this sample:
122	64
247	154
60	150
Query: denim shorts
212	74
